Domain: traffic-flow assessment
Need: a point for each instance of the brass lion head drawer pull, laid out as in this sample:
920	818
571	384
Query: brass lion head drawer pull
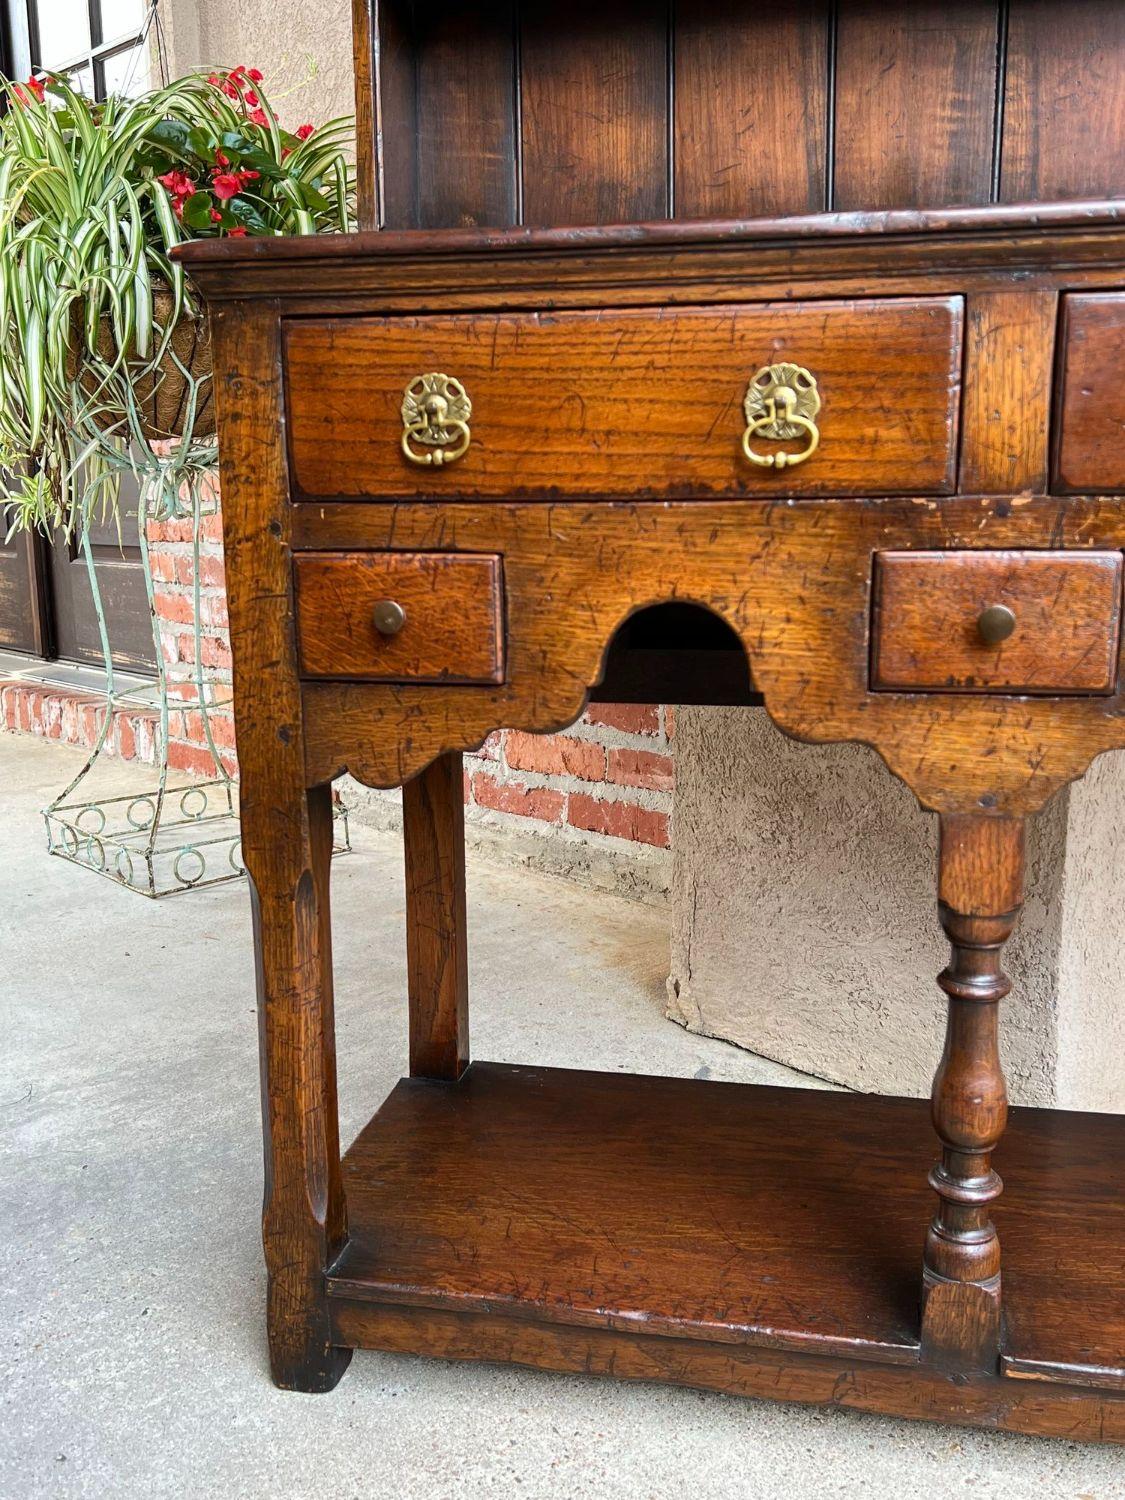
435	415
781	402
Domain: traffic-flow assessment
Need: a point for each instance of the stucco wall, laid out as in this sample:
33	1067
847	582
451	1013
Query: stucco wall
805	924
285	41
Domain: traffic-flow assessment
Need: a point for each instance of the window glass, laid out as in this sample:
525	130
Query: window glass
120	17
64	31
126	72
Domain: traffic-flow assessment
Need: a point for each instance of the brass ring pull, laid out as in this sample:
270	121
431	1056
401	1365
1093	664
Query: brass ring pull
435	420
781	402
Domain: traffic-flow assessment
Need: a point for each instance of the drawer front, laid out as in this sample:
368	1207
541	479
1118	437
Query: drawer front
1090	440
400	616
631	403
996	622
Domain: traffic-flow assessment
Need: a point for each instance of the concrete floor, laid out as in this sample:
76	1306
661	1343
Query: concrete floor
132	1357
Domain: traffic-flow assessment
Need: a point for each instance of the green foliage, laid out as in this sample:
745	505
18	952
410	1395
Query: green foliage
93	197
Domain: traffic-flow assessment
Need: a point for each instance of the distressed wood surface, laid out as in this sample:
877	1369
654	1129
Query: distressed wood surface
746	77
1091	407
788	584
453	629
286	847
437	966
980	892
927	605
1005	413
794	583
569	1211
915	103
631	403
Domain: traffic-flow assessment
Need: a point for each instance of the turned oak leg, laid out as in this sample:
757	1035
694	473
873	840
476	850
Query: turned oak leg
303	1218
980	894
433	817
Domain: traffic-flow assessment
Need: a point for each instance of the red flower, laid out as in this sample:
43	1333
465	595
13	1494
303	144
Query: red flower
258	117
237	233
213	78
304	131
248	176
216	216
251	98
178	183
222	159
254	75
36	87
229	89
226	185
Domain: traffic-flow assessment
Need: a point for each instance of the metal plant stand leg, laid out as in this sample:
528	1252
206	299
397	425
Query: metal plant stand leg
169	837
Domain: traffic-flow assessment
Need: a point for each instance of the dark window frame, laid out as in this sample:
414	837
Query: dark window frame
102	49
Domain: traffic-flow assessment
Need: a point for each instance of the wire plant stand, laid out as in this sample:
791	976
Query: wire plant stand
169	837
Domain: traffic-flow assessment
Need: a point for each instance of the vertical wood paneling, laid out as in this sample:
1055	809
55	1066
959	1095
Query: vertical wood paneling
1064	115
466	115
751	108
915	103
396	116
595	112
363	73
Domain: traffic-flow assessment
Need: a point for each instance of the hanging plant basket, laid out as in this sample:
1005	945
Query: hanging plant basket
162	394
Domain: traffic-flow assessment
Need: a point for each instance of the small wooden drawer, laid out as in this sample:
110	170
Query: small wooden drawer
447	627
930	627
631	403
1090	441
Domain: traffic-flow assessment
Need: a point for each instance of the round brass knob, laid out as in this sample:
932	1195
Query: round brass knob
388	617
996	624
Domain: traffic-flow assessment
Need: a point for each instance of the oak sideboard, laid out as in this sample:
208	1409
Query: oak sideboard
867	470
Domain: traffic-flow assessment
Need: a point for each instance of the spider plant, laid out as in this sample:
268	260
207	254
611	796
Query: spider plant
93	196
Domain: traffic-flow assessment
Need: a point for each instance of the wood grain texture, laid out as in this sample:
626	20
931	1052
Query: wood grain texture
980	886
433	822
363	73
1006	410
926	606
751	108
286	847
1090	448
915	103
594	112
453	605
836	1384
585	1217
1064	106
792	581
630	403
943	252
466	114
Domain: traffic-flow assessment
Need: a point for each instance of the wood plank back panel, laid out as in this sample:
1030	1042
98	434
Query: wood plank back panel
915	103
631	402
868	104
1064	111
751	108
466	114
595	112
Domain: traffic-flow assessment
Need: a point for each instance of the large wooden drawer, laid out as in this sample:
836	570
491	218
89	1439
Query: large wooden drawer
1090	439
996	622
400	616
631	403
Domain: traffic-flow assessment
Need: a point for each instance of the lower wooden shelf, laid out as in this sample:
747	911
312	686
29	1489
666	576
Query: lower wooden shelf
752	1239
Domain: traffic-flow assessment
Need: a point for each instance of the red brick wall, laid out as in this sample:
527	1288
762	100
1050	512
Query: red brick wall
607	779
